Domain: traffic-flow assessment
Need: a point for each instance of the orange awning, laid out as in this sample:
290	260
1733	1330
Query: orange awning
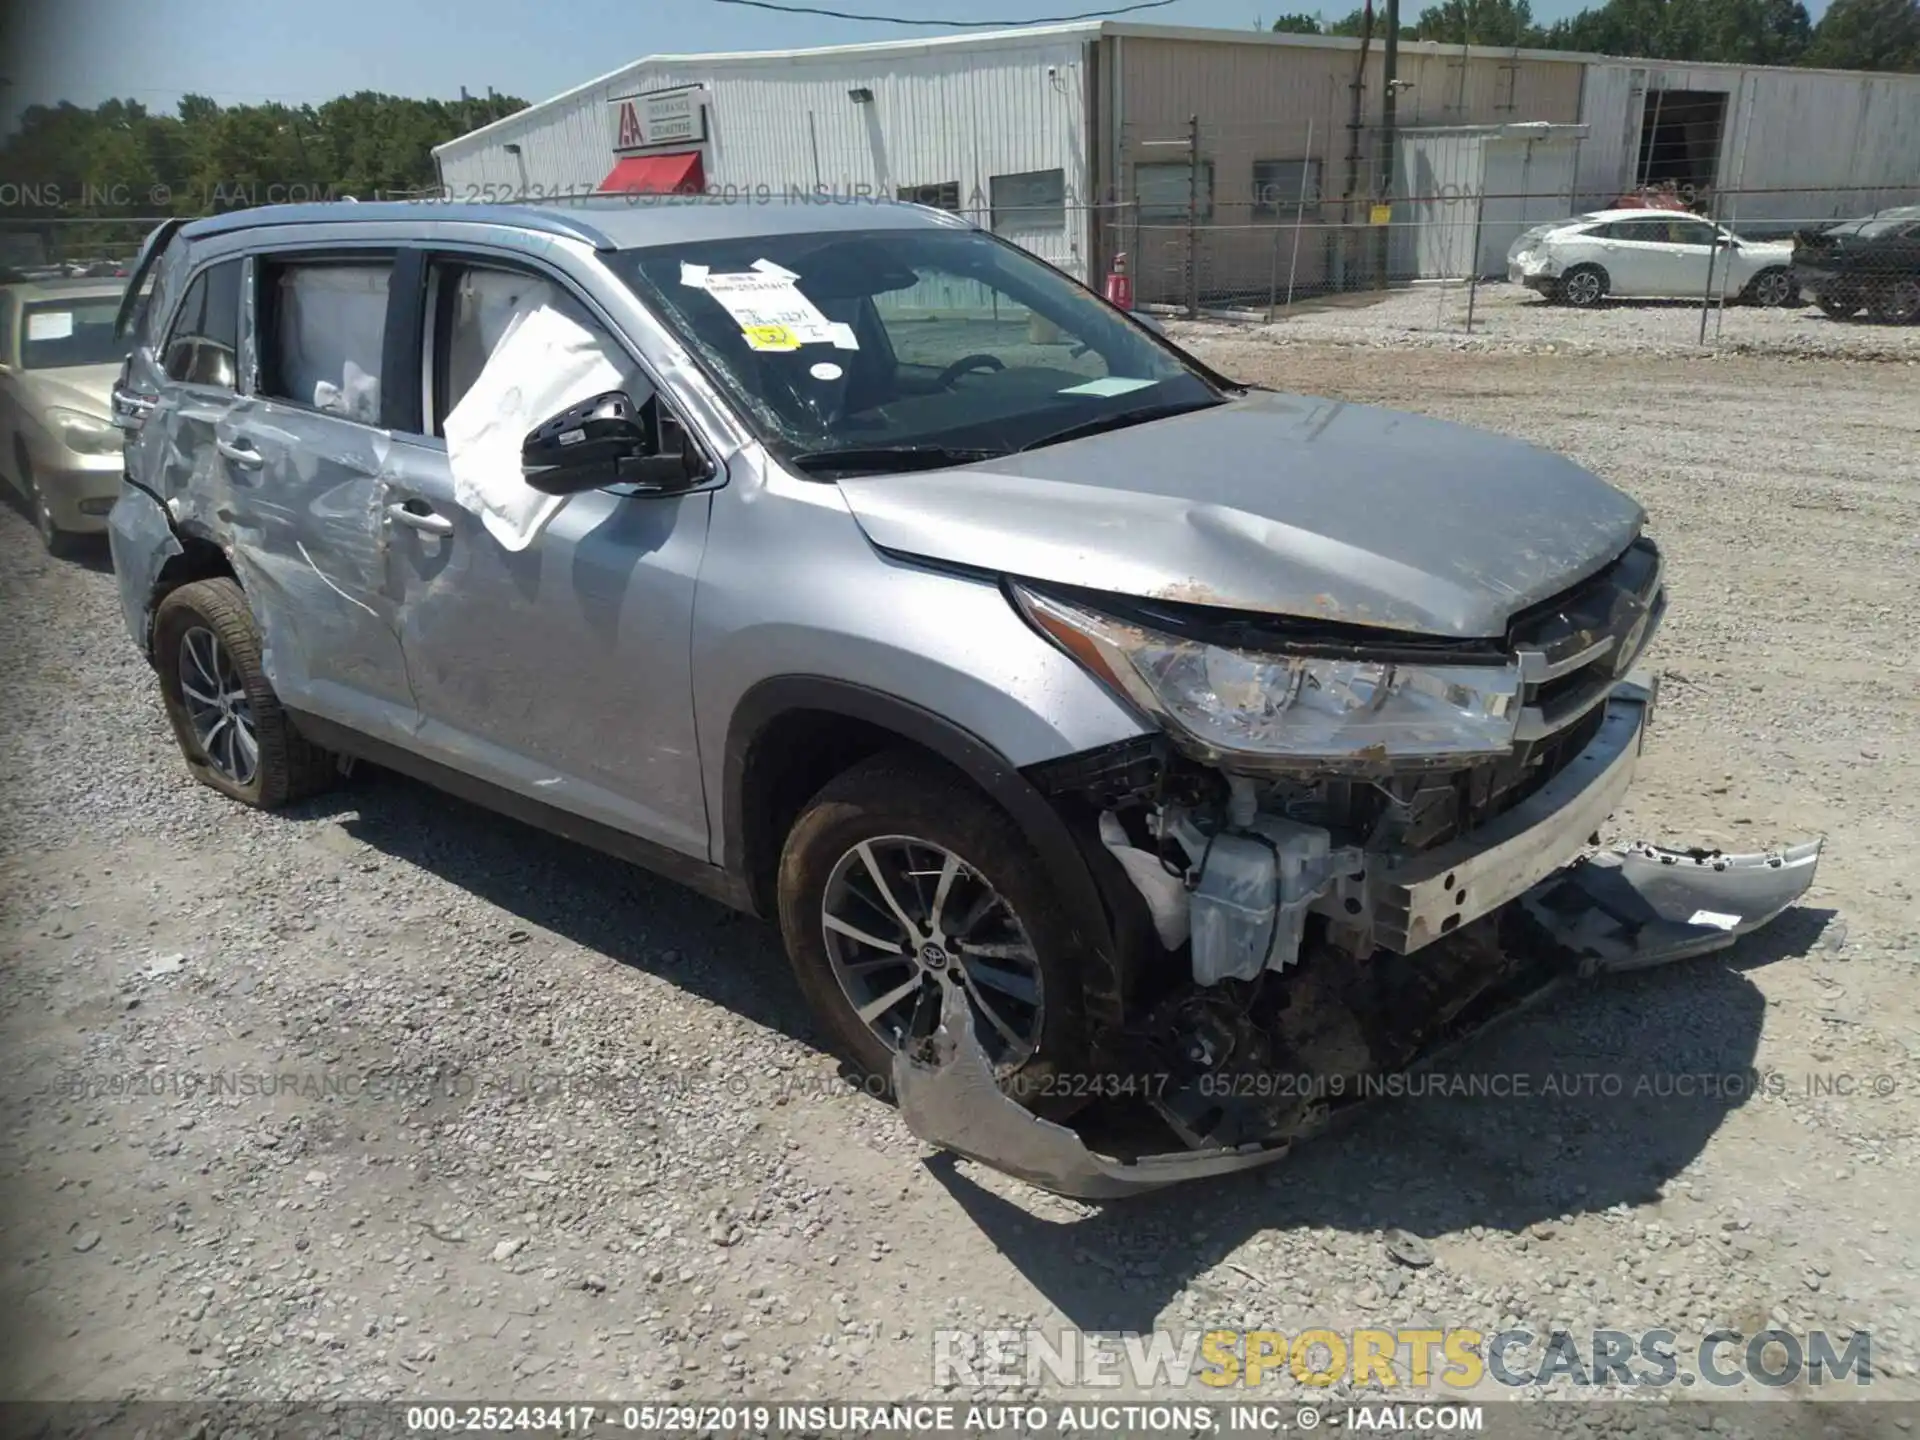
675	174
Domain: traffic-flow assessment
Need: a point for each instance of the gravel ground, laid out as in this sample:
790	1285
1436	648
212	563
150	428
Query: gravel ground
1509	317
499	1117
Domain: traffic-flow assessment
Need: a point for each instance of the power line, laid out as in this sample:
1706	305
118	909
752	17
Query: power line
947	24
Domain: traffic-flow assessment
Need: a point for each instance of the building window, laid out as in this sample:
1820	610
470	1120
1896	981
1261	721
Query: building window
1285	187
1035	200
1163	190
944	196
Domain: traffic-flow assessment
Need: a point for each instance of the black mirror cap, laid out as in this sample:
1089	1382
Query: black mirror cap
585	446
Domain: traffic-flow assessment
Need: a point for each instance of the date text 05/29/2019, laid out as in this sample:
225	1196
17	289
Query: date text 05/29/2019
1060	1418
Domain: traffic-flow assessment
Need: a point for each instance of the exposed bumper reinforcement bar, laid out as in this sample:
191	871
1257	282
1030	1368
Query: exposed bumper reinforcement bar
1610	911
1440	890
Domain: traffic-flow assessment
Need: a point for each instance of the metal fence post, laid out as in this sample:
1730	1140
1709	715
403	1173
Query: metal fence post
1299	214
1193	217
1473	262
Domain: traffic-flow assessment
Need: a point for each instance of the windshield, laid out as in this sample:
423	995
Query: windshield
57	333
919	346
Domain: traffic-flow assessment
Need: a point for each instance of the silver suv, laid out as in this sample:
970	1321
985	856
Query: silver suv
1108	738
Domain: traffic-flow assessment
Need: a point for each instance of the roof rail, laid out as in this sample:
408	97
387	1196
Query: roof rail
520	217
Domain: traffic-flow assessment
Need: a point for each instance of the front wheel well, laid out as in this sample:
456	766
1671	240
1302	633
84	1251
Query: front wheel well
792	758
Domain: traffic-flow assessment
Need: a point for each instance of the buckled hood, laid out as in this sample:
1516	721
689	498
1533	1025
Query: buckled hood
1281	504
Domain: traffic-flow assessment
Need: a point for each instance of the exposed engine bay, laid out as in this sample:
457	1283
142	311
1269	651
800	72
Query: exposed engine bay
1314	928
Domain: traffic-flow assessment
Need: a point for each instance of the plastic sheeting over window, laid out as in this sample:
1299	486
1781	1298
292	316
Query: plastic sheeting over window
330	326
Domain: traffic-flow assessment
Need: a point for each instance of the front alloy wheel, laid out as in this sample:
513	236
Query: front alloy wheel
900	874
898	913
1583	287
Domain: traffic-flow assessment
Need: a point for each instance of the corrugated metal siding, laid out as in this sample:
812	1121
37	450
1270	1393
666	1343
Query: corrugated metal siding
948	114
1611	111
1796	145
1818	145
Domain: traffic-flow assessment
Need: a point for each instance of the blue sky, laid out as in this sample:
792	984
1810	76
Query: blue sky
88	50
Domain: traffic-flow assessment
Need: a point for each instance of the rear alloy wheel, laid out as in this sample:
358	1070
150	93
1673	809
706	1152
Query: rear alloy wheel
1896	303
1773	289
1583	286
1838	307
897	875
230	726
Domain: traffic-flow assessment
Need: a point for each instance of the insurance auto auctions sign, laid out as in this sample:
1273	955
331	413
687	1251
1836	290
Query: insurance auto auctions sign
660	117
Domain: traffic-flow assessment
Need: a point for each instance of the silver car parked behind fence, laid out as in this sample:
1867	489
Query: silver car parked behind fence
1106	737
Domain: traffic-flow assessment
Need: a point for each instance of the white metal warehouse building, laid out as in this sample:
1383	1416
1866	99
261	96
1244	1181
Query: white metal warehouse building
1079	142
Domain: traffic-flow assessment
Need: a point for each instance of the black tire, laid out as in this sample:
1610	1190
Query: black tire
287	767
901	794
1768	292
1838	307
61	544
1584	286
1897	302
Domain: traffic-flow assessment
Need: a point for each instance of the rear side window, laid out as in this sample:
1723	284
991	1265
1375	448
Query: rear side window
323	334
203	346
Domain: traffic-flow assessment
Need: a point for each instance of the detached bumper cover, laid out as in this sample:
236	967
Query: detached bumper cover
1642	906
948	1097
1601	910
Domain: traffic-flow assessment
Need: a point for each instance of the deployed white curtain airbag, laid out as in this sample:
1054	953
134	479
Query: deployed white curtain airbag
545	361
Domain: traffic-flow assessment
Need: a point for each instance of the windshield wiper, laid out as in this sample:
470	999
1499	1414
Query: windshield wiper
890	457
1119	422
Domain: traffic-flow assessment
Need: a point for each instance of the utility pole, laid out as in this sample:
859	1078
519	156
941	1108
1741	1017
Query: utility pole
1193	217
1389	93
1355	124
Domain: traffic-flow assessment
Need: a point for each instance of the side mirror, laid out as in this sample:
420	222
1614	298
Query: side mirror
605	440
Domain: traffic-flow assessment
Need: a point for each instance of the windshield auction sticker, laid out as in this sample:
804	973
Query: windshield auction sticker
766	303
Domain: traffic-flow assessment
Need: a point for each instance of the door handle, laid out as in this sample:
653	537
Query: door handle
240	454
422	519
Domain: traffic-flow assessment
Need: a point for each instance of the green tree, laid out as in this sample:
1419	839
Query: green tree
1868	35
1479	22
1354	23
1299	24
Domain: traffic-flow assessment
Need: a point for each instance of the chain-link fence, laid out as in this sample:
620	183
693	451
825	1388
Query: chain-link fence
1263	221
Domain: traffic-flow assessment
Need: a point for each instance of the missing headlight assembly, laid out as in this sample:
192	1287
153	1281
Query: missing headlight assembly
1353	856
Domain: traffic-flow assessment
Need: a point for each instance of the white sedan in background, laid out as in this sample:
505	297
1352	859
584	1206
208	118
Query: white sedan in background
1634	254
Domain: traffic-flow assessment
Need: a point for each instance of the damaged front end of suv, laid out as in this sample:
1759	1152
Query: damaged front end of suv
1351	850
